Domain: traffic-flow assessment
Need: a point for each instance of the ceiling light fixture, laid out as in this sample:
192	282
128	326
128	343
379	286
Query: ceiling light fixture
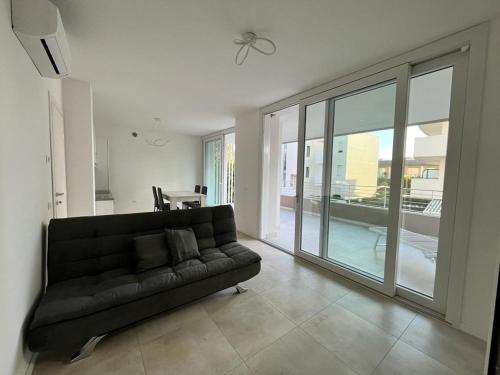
247	41
155	137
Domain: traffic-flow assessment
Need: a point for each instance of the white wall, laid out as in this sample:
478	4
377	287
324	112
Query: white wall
79	145
485	219
24	190
135	166
247	175
486	214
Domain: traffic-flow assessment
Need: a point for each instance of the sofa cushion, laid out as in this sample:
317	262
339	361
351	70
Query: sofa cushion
82	296
151	251
182	244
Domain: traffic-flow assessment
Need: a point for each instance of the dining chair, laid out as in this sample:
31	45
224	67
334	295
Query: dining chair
163	206
155	200
193	204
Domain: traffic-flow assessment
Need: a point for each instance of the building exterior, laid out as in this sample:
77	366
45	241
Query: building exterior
431	151
355	165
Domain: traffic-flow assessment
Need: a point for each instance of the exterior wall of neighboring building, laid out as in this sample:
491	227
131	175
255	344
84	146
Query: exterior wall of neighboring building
354	166
361	165
313	167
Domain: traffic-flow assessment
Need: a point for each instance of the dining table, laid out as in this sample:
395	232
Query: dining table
175	197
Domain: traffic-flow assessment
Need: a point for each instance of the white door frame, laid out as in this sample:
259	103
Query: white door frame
53	106
474	38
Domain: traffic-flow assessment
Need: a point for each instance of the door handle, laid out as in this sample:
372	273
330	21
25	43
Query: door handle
59	194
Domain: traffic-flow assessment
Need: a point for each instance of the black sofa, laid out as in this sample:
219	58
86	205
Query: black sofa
92	285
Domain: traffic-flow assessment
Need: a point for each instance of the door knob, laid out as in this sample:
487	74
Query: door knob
59	202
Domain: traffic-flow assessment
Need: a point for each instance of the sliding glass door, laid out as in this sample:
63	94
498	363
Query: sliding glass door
279	196
346	205
358	214
229	168
212	169
433	139
219	168
378	173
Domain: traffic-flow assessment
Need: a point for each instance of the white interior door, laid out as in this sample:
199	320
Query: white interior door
58	162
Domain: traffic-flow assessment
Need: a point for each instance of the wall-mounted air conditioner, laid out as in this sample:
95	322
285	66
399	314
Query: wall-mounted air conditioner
38	26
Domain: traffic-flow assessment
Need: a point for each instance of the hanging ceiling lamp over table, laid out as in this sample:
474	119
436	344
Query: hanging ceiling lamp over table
155	137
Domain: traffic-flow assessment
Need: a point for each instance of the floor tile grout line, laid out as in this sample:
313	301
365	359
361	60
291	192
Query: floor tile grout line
231	345
328	350
428	355
394	344
367	321
334	303
407	327
286	316
239	354
268	345
316	314
234	295
180	326
385	356
142	358
421	351
376	325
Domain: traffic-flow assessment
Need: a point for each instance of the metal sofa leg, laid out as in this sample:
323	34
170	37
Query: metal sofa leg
87	349
240	289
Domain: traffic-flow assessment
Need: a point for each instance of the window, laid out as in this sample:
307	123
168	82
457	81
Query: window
307	172
308	151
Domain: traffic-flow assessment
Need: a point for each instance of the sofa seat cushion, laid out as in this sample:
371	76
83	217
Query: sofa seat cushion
82	296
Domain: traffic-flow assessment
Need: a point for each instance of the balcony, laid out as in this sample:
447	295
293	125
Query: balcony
357	230
361	246
431	147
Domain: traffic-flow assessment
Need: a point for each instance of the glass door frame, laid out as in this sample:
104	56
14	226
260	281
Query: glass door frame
218	137
400	75
458	61
261	229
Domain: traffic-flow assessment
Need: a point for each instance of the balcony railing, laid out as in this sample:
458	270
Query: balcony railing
427	202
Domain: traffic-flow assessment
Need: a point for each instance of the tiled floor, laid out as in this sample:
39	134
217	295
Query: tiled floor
296	318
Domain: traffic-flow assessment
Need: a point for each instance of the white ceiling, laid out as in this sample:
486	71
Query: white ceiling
175	59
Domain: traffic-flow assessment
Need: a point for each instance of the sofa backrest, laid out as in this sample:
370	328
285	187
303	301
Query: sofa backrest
85	246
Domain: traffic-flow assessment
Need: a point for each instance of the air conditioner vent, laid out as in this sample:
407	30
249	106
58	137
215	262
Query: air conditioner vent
39	28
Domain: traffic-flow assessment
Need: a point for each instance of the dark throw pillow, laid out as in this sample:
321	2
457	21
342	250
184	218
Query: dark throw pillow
151	251
182	244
